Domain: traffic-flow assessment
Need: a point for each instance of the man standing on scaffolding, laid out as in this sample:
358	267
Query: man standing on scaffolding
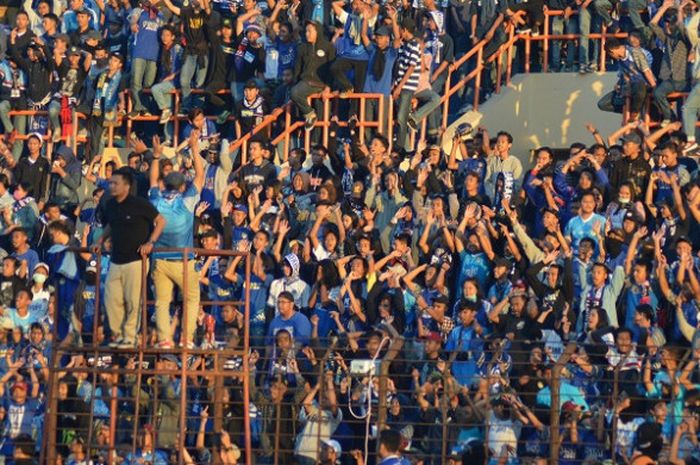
175	200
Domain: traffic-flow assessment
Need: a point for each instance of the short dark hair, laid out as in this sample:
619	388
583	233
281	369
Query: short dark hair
125	173
506	135
25	444
4	180
612	44
60	226
382	140
195	112
391	439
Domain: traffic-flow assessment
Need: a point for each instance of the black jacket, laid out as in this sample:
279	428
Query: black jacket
38	73
35	174
314	60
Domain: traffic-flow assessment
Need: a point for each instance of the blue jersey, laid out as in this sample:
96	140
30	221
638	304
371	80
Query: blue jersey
178	211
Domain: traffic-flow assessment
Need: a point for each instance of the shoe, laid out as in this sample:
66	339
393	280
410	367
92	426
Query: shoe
310	120
116	343
223	117
690	146
146	113
125	344
665	123
412	123
190	345
165	116
591	68
133	114
56	136
165	345
346	93
524	30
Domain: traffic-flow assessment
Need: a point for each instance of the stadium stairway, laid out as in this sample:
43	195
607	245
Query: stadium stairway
544	109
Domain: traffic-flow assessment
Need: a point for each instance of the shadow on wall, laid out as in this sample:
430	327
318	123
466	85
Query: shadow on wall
547	109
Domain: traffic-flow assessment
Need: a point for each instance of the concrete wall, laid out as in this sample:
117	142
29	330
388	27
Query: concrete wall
546	109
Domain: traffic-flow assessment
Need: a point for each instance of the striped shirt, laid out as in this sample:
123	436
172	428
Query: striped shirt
409	55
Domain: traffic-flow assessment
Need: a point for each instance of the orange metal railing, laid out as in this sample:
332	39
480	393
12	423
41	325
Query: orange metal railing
48	451
501	58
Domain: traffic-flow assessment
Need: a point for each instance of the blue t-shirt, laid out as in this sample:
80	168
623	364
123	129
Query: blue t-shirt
32	259
298	326
287	55
384	84
350	44
178	211
473	266
577	228
146	44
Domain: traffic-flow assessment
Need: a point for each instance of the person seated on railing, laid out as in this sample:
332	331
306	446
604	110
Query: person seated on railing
13	97
71	72
314	58
673	75
169	64
351	52
146	19
635	78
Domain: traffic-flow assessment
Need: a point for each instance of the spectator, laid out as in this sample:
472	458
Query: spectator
314	58
145	22
176	204
195	59
134	227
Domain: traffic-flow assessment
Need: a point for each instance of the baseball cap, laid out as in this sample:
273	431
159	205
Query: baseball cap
382	31
433	336
630	216
333	444
93	35
19	385
251	84
501	261
254	28
173	181
74	51
227	23
92	266
240	207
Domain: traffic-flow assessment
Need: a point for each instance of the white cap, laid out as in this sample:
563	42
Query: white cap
333	444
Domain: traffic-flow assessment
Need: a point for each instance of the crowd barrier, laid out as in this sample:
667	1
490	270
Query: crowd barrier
467	70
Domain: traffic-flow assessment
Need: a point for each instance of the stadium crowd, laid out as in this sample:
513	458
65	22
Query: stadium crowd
481	268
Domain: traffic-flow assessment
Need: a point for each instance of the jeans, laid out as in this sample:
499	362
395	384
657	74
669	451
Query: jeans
562	26
403	108
143	74
95	128
237	91
690	111
661	92
372	114
300	94
602	9
18	122
55	115
339	70
428	101
638	93
161	94
191	69
584	26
